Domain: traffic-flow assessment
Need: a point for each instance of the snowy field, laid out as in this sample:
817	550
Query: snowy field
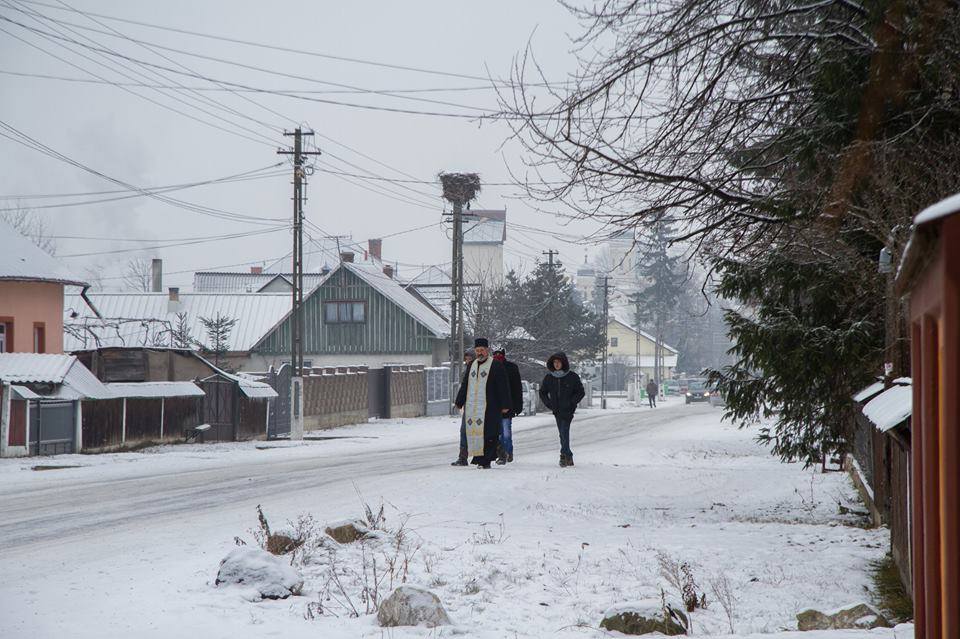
128	545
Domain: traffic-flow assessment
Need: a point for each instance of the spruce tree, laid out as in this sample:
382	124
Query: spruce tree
218	336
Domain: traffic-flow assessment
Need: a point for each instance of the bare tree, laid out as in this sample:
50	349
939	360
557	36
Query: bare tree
137	274
31	225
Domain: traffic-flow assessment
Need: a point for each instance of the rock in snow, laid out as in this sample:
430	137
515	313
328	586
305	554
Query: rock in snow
643	617
347	532
412	606
855	616
271	576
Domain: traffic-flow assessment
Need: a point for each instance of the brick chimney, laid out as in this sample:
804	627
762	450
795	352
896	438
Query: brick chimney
375	246
256	270
388	271
346	256
156	276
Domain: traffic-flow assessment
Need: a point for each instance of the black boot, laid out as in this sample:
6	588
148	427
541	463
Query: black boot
501	456
563	461
509	457
569	460
460	462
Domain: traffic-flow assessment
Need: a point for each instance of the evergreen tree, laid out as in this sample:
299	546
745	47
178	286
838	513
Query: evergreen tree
218	336
180	334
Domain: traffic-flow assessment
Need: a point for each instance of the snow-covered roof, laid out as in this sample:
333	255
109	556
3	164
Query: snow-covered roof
485	227
614	317
868	392
943	208
250	388
126	318
242	282
21	259
23	392
71	378
154	389
396	293
890	408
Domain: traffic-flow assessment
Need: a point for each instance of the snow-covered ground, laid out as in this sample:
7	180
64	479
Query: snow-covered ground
128	545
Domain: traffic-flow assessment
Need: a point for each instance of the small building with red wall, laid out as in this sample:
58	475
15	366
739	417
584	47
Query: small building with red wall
930	277
31	295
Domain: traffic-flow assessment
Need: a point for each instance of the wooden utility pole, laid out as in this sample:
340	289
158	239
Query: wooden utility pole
296	315
606	323
550	255
458	189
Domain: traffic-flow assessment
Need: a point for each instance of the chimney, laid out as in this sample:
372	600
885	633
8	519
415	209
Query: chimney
256	270
173	300
156	276
375	246
388	271
346	256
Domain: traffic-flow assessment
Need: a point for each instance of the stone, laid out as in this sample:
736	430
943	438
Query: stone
855	616
346	532
412	606
644	617
282	543
270	576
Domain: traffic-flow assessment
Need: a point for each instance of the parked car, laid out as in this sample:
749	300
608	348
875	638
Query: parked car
671	387
697	391
530	397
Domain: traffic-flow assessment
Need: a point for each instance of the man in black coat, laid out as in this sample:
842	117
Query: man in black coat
484	396
561	391
505	451
652	390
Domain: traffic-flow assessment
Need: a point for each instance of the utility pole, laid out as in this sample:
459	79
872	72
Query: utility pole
296	315
606	323
550	255
458	189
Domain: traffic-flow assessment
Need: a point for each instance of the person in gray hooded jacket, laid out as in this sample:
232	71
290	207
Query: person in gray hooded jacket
561	391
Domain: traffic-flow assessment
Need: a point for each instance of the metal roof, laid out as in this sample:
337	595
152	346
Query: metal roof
614	317
21	259
146	319
71	378
154	389
890	408
250	388
225	282
24	393
396	293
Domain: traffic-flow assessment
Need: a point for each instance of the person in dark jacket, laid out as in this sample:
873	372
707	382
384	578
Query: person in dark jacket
652	390
468	356
561	391
484	397
505	451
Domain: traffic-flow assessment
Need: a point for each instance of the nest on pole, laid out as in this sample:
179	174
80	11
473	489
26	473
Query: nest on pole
460	187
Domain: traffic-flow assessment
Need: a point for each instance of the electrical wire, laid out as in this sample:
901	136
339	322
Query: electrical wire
220	238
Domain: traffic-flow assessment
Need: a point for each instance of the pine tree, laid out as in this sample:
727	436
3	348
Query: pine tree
218	336
181	335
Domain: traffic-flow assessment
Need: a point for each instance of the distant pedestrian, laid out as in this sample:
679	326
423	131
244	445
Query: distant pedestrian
561	391
468	356
652	390
484	397
505	450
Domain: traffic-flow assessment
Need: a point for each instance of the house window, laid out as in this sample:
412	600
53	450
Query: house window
39	338
614	341
344	312
6	337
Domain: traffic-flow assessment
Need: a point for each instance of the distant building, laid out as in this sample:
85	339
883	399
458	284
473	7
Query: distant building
484	233
628	345
31	296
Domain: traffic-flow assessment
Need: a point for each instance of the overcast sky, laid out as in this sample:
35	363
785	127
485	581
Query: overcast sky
109	129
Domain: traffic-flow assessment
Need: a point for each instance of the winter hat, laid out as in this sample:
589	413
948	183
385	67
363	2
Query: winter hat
481	342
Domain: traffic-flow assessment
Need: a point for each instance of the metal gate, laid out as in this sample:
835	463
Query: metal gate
220	409
378	393
279	425
53	426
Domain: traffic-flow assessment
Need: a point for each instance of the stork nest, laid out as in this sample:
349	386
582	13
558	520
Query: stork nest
460	187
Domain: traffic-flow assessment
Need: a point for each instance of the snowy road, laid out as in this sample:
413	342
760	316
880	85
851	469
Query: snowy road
128	544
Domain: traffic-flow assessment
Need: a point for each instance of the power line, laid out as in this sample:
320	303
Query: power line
61	78
176	244
284	49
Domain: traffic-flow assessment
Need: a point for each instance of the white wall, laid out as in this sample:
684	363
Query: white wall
483	264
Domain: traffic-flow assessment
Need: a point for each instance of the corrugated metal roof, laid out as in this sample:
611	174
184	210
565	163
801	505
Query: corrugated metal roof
868	392
155	389
41	368
396	293
21	259
484	232
146	319
24	393
251	388
218	282
71	378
